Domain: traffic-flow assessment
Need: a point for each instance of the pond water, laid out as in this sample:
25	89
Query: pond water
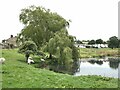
108	67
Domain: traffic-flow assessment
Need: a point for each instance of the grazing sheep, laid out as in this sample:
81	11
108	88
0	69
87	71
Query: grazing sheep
2	60
30	60
42	60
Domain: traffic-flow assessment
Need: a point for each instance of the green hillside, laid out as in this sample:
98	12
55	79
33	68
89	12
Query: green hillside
18	74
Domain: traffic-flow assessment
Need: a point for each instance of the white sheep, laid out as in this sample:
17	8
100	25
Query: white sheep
2	60
42	60
30	60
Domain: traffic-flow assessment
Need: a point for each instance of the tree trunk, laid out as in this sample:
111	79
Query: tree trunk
50	56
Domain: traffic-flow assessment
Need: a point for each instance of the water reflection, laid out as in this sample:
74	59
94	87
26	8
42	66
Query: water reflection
113	62
105	67
99	62
54	65
92	61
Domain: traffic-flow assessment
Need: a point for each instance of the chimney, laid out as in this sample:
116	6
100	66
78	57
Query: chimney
11	36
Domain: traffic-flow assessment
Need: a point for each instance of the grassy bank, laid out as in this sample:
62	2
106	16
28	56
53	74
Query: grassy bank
17	74
93	52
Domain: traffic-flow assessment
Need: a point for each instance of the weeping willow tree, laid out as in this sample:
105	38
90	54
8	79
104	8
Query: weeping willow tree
49	30
40	24
62	47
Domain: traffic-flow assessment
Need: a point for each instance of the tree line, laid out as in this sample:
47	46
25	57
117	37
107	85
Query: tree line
113	42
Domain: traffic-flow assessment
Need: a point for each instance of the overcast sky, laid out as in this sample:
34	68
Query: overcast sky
91	19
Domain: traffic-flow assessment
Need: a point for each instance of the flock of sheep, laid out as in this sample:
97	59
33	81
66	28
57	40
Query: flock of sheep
29	61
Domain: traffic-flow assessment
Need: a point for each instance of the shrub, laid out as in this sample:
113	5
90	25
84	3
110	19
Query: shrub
29	46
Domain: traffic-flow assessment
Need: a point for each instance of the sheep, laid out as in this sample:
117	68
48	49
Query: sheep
42	60
30	60
2	60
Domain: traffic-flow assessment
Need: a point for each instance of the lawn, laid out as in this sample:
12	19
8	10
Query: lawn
18	74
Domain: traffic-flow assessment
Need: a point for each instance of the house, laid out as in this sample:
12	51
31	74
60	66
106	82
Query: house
10	42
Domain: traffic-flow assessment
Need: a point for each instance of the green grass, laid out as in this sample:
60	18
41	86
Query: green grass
18	74
93	52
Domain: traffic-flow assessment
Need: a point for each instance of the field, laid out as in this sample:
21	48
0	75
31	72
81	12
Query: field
18	74
93	52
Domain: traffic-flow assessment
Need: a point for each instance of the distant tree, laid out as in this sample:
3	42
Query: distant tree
99	41
87	40
113	42
91	42
79	42
104	42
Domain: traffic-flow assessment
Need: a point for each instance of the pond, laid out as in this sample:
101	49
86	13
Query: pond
108	67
